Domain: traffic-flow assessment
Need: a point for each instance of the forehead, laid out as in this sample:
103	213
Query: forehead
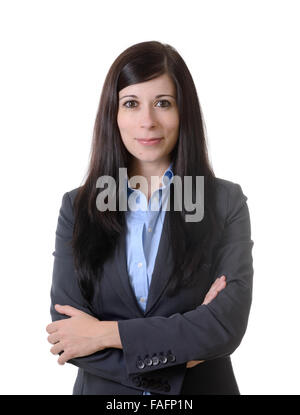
160	85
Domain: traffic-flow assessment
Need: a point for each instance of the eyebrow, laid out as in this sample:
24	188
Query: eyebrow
157	96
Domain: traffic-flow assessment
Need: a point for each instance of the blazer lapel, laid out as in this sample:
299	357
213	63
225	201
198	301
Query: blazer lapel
162	268
120	278
161	272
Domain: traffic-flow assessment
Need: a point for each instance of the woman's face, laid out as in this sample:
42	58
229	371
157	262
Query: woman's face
151	113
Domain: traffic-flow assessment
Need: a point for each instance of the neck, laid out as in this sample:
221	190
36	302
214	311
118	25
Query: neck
148	169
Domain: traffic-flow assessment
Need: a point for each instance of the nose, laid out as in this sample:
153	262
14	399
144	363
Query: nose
147	118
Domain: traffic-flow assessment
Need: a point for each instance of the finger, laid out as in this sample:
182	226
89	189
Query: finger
53	338
219	280
51	328
193	363
222	279
215	283
61	360
64	357
217	286
220	286
211	293
214	289
57	348
67	310
208	298
217	289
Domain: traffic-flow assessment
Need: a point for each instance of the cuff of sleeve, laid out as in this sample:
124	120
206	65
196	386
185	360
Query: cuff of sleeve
153	371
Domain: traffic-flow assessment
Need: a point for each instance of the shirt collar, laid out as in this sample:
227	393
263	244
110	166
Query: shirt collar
167	173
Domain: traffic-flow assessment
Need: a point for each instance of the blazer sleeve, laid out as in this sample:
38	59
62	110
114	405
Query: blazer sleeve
209	331
108	363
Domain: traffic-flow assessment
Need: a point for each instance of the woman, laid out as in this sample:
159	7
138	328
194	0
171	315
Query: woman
149	300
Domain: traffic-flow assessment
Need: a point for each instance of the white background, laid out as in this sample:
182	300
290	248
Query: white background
244	59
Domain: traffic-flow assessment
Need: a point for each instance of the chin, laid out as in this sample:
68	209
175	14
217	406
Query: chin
148	159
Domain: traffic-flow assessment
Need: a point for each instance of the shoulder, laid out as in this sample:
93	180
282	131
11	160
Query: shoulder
71	194
226	187
67	203
229	196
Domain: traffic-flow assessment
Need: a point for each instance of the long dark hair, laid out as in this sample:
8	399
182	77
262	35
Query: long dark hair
96	233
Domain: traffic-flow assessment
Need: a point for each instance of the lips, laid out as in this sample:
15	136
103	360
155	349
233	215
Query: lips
149	141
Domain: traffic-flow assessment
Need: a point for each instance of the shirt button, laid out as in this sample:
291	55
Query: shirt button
140	264
149	229
142	299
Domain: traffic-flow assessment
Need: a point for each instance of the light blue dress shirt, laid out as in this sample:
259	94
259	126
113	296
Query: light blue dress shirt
143	231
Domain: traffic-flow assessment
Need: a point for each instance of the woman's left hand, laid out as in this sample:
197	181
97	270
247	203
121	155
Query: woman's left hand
80	335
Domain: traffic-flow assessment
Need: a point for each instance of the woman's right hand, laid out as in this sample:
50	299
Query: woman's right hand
214	290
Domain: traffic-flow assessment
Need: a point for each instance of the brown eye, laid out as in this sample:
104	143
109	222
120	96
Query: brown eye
165	100
127	103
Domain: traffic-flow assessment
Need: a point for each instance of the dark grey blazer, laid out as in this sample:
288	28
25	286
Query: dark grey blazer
158	343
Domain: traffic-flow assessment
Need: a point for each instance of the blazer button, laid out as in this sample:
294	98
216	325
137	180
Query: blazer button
148	361
171	357
163	359
155	360
140	364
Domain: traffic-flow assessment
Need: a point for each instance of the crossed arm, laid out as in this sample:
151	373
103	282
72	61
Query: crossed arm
213	329
82	334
